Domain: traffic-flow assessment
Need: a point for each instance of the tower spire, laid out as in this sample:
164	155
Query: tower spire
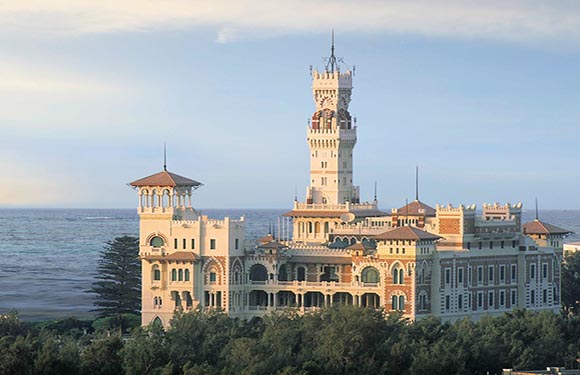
537	216
332	63
417	183
164	156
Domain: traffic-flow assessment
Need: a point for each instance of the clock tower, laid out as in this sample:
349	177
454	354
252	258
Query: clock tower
331	136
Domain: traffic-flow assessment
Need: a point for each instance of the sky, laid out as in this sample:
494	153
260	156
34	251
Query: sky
482	96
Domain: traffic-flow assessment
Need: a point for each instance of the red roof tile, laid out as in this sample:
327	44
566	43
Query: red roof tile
412	209
178	255
406	233
539	227
165	178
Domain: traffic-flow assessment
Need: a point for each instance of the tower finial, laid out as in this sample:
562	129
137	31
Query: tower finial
331	62
537	216
164	156
417	183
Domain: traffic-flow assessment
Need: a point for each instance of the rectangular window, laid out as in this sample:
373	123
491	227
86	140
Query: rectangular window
479	300
502	298
490	300
490	278
480	245
469	279
447	302
460	276
480	274
447	276
237	243
545	270
175	243
532	271
514	272
212	277
502	273
490	245
212	244
545	296
533	297
184	244
192	243
460	302
502	244
514	298
469	300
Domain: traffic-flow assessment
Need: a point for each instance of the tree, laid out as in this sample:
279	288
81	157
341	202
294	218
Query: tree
118	287
571	284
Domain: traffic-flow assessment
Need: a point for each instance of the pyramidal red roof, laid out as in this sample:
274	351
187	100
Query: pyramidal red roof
414	207
406	233
539	227
165	178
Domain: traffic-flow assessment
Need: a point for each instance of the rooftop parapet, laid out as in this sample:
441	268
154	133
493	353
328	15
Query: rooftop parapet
336	207
460	209
326	79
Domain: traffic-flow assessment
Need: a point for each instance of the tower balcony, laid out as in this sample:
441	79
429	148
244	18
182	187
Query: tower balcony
333	133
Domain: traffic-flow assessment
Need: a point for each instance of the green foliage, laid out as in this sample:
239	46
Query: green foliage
571	284
146	351
118	287
339	340
103	356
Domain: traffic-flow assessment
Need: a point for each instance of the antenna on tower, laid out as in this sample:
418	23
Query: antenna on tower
417	183
375	190
537	216
164	156
310	70
331	61
353	70
295	193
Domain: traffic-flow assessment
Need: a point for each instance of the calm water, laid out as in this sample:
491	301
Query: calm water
48	257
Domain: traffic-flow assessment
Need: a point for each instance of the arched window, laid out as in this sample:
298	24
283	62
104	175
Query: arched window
258	273
157	321
283	274
174	275
156	241
180	273
401	302
186	276
212	277
370	275
156	273
401	276
326	228
301	274
309	227
395	276
317	227
394	304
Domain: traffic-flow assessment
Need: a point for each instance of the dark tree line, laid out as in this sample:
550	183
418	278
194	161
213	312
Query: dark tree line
339	340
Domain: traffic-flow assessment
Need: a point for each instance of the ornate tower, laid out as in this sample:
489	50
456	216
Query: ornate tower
331	137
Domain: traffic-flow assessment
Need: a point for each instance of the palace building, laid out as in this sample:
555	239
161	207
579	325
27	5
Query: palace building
447	261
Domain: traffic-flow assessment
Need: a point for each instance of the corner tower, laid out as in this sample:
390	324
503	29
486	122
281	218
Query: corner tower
331	136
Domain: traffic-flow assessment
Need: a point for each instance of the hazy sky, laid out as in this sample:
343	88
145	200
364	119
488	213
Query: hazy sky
483	95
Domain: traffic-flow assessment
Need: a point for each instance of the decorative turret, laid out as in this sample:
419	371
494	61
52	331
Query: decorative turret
166	193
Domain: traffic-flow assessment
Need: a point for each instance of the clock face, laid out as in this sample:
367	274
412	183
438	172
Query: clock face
326	102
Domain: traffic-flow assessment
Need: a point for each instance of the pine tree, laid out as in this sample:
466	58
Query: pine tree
118	287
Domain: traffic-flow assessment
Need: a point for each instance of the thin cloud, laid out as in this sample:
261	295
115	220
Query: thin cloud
28	78
519	21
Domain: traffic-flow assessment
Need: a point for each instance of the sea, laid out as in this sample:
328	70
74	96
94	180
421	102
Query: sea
48	257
